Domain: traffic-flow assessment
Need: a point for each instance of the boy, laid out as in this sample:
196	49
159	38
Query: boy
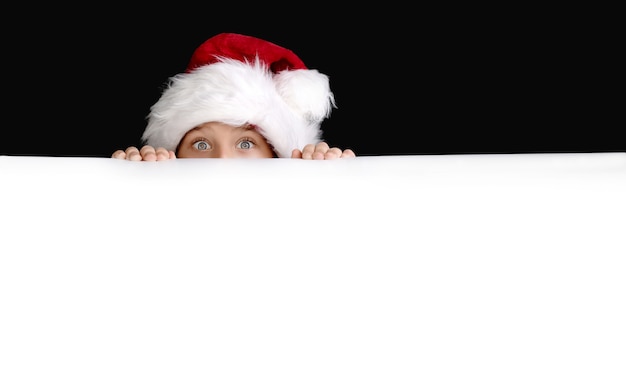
240	97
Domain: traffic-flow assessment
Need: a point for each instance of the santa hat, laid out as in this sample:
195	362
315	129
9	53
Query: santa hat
237	79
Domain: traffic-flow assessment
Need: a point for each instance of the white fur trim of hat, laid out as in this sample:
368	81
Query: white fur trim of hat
237	80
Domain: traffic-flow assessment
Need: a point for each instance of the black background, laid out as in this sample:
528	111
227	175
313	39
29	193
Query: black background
79	82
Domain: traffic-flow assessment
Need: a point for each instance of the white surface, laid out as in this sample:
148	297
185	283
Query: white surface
406	260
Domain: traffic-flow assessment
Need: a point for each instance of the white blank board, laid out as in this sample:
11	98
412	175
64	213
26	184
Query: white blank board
496	259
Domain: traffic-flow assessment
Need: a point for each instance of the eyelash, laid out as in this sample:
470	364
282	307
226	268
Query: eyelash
198	139
247	139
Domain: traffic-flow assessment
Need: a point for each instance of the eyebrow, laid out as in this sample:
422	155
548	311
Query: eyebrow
197	128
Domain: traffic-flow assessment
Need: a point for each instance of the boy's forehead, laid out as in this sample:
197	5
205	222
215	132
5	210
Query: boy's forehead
220	125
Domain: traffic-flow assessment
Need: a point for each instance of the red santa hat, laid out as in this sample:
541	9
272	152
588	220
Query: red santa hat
237	79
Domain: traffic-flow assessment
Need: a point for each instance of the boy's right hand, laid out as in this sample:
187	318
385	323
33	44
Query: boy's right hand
147	153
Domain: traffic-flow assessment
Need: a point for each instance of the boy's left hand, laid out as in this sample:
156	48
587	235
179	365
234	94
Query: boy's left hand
321	151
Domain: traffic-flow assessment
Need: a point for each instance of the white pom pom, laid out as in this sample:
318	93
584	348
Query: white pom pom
307	92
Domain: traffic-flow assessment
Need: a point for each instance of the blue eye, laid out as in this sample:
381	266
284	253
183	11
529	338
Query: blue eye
201	145
245	144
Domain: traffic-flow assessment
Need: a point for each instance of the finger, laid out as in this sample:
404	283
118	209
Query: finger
321	148
296	154
118	154
333	153
307	151
132	153
148	153
162	154
348	153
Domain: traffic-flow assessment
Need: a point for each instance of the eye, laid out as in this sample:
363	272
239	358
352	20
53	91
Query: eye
201	145
245	144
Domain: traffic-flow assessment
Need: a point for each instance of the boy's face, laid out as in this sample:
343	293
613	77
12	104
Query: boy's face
219	140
